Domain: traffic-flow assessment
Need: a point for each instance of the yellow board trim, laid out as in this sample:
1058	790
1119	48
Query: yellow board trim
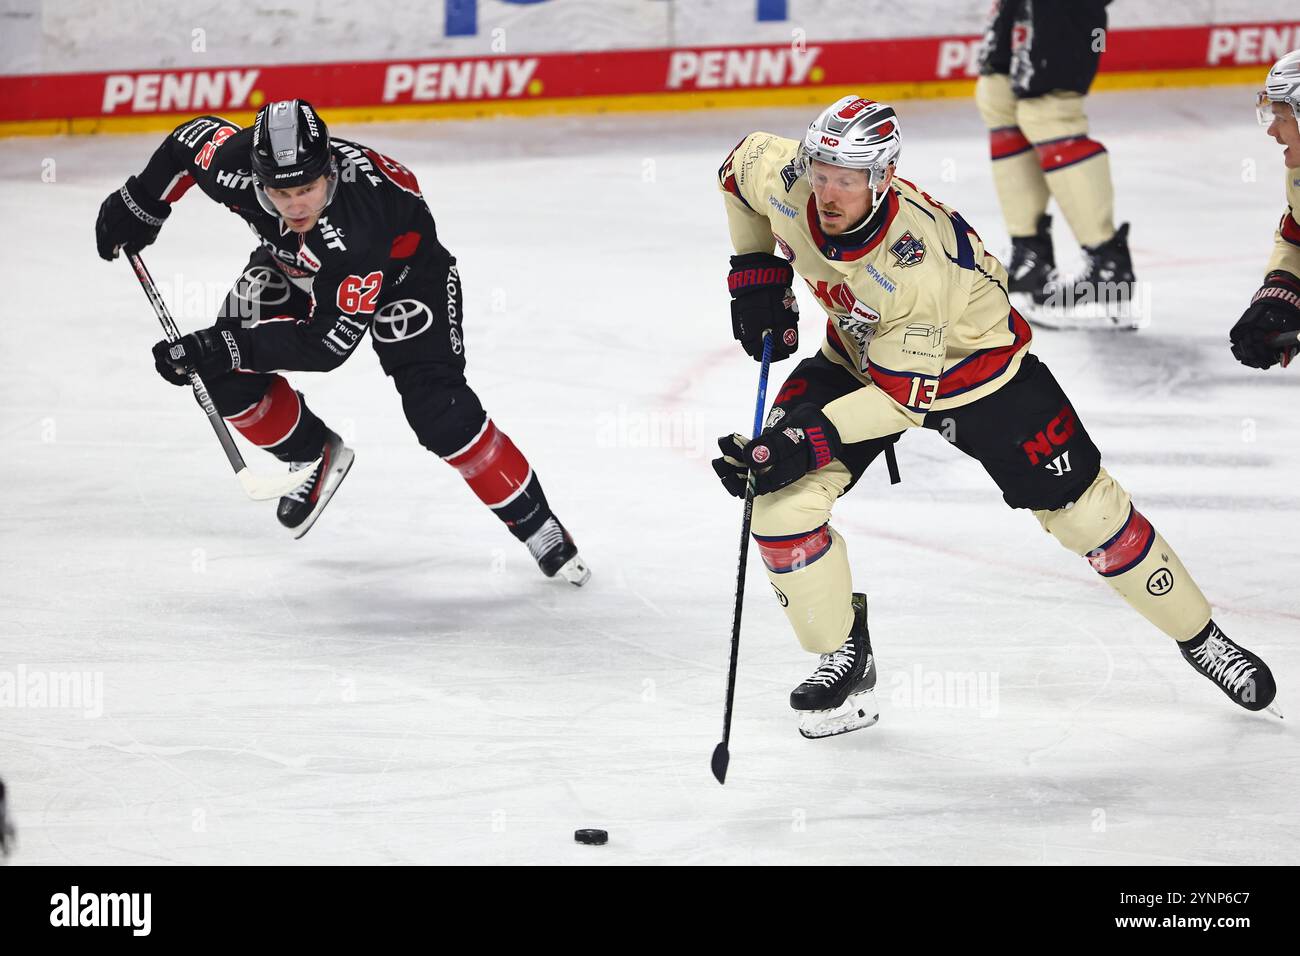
643	102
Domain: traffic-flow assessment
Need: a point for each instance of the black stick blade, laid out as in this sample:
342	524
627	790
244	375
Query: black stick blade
721	757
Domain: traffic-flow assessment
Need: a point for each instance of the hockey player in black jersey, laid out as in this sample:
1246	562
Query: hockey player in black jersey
346	246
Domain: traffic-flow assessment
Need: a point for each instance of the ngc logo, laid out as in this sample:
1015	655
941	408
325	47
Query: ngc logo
400	320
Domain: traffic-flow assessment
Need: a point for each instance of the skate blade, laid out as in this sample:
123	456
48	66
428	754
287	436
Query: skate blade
856	713
575	571
1273	709
338	471
1082	318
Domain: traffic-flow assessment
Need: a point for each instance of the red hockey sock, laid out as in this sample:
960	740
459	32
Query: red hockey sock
273	417
492	466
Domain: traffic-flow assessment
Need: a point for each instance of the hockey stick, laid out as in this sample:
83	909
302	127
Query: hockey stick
257	487
1288	344
721	755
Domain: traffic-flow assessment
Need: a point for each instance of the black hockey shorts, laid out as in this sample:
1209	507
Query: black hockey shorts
819	381
1059	46
1028	438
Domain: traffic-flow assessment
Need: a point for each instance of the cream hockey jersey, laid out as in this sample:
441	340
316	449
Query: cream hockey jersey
916	309
1286	240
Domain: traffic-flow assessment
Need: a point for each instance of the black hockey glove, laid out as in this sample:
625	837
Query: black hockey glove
207	351
762	300
129	218
802	441
1274	309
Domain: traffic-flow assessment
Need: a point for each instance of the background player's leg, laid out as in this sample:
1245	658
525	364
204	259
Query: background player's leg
1076	168
1021	185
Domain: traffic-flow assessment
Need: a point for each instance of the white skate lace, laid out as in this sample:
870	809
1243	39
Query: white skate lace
1218	658
833	666
302	492
545	539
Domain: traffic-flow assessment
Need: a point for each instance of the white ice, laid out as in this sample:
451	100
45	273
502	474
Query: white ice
403	686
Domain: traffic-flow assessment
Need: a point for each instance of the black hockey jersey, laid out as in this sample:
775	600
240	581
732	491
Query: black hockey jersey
376	234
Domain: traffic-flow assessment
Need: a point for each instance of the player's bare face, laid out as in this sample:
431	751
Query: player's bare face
300	206
843	196
1286	131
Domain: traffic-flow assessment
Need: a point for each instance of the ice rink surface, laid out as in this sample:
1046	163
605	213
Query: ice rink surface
403	686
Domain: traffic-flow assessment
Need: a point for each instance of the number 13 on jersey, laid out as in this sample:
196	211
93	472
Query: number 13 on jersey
922	392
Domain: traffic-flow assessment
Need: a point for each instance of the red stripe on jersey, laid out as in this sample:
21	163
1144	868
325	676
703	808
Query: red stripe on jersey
986	364
404	246
1007	141
847	253
731	186
791	552
179	187
272	419
1289	228
492	466
1058	153
897	385
1126	549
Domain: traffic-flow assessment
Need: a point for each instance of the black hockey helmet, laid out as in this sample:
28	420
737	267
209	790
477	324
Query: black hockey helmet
291	147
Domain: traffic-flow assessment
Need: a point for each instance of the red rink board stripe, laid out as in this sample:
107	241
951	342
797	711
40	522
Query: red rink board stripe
599	73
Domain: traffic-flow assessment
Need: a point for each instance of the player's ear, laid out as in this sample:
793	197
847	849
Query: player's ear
889	177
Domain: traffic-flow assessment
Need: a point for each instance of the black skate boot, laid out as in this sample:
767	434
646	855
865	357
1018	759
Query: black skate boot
1101	297
300	508
553	549
1234	670
1033	264
839	696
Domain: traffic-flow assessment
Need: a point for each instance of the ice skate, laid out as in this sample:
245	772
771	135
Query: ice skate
840	694
1236	671
556	554
1101	297
300	508
1033	264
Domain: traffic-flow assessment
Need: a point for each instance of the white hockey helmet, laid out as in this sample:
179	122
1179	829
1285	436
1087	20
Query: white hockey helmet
1281	86
855	133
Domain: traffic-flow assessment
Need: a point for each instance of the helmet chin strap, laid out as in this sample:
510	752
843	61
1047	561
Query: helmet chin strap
877	201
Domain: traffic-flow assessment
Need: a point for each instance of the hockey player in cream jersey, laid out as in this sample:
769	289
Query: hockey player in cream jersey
1275	307
920	333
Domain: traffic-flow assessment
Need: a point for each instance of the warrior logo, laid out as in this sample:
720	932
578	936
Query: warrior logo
908	250
1161	582
401	320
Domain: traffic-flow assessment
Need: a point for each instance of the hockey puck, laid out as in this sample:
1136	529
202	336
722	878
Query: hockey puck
591	837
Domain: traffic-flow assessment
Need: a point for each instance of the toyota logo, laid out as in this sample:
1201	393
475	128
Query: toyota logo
262	285
400	320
